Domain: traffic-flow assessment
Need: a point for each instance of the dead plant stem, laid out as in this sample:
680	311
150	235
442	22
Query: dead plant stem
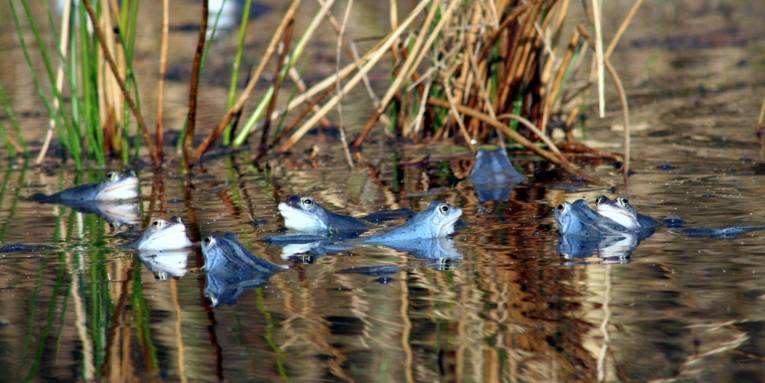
191	118
599	57
161	83
277	85
373	59
341	126
623	27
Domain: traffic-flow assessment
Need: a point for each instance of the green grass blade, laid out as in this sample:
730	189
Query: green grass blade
11	115
62	132
291	60
236	67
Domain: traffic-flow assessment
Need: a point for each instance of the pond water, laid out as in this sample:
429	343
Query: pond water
512	309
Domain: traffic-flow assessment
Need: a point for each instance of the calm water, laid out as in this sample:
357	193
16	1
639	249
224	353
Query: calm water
681	309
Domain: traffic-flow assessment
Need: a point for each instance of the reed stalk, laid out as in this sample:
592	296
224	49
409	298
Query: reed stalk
235	68
374	58
277	84
160	135
13	139
128	24
294	56
121	83
71	144
89	77
255	76
63	49
191	118
210	38
624	104
600	57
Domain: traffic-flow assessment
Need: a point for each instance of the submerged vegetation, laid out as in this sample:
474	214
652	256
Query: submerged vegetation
506	72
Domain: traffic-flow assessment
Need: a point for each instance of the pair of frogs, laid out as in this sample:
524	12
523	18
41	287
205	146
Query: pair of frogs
614	228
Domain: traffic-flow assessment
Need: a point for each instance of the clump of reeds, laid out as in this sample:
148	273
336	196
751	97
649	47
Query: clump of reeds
472	72
476	72
88	83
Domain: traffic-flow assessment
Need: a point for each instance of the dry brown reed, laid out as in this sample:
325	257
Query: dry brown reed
161	82
191	119
284	47
455	73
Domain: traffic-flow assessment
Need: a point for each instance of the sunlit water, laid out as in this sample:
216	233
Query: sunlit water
512	309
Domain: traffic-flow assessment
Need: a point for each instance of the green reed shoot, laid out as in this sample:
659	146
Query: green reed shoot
142	321
290	62
55	115
34	368
72	134
236	67
128	27
101	306
88	87
5	103
4	141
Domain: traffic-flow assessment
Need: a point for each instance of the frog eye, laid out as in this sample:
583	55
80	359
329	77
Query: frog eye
112	176
623	201
307	202
601	199
209	241
443	208
176	219
561	207
158	223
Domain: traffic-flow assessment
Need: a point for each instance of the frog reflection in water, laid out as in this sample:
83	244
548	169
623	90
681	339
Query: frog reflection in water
584	232
616	224
166	264
230	269
493	175
164	235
